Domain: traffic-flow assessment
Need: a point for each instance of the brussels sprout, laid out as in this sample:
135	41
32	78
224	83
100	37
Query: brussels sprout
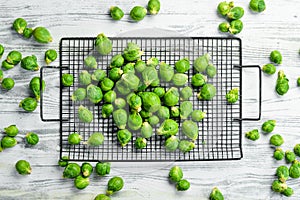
282	83
135	121
98	75
140	66
198	80
145	114
101	197
11	130
183	185
190	129
175	111
236	26
186	146
235	13
253	135
278	154
172	143
198	115
67	80
30	63
19	25
186	108
153	120
23	167
132	52
207	92
79	94
14	57
102	168
107	110
85	115
224	27
32	138
103	44
290	156
96	139
149	75
138	13
276	140
64	161
182	65
129	67
163	113
268	126
117	61
27	33
211	70
28	104
115	74
186	93
81	182
180	79
276	57
150	101
50	56
72	170
86	169
282	173
159	91
216	194
233	95
298	81
288	192
90	62
120	102
114	184
278	186
146	130
6	65
107	84
269	69
8	142
175	174
257	5
168	128
153	6
74	138
94	93
297	149
166	72
110	96
1	75
140	143
42	35
124	136
294	170
224	8
85	77
152	62
171	97
120	118
116	13
201	63
8	83
135	102
35	86
1	50
128	82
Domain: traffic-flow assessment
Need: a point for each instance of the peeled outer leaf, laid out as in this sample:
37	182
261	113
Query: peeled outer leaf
186	108
171	97
85	115
103	44
124	136
120	118
150	101
201	63
166	72
146	130
168	128
149	75
135	121
190	129
128	82
211	70
96	139
42	35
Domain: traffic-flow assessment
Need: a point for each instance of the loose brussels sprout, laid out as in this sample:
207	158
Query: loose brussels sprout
138	13
140	143
6	65
224	27
11	130
153	120
28	104
103	44
171	97
276	140
201	63
129	67
211	70
50	56
276	57
190	129
1	50
32	138
153	6
236	26
115	74
8	142
198	115
107	84
19	25
124	136
14	57
186	146
186	93
101	197
110	96
90	62
224	8
182	65
290	156
253	135
135	121
128	82
159	91
8	83
1	75
42	35
268	126
79	94
166	72
74	138
85	115
288	192
64	161
152	62
163	113
35	86
85	77
298	81
183	185
107	110
175	174
94	93
235	13
294	170
30	63
297	149
278	186
132	52
98	75
72	170
198	80
96	139
278	154
135	102
23	167
81	182
233	95
117	61
257	5
180	79
120	103
149	75
116	13
269	69
140	66
120	118
207	92
168	128
175	111
172	143
67	80
145	114
150	101
282	83
27	33
114	184
282	173
216	194
102	168
186	108
146	130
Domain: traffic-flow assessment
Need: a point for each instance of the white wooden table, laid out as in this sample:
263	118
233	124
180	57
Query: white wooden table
249	178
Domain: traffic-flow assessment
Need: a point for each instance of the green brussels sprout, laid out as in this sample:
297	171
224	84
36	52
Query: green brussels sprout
32	138
224	27
182	65
135	121
172	143
116	13
1	75
186	108
140	66
175	174
63	162
19	25
253	135
186	93
282	173
233	95
124	136
171	97
98	75
85	115
201	63
107	110
110	96
224	8
211	70
278	186
257	5
269	69
186	146
146	130
216	194
290	156
120	118
8	83
129	96
294	170
11	130
96	139
150	101
140	143
30	63
153	6
135	102
50	56
180	79
14	57
198	80
81	182
94	93
28	104
132	52
182	185
85	78
153	120
268	126
129	67
1	50
163	113
42	35
236	26
288	192
235	13
114	184
166	72
168	128
298	81
297	149
8	142
72	170
278	154
198	115
35	86
207	92
90	62
159	91
149	75
190	129
175	111
27	33
67	80
276	57
115	74
101	197
152	62
74	138
276	140
282	83
107	84
117	61
79	94
23	167
103	44
128	82
102	168
145	114
138	13
120	103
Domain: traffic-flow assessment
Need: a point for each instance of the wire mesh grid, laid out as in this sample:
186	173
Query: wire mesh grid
219	133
